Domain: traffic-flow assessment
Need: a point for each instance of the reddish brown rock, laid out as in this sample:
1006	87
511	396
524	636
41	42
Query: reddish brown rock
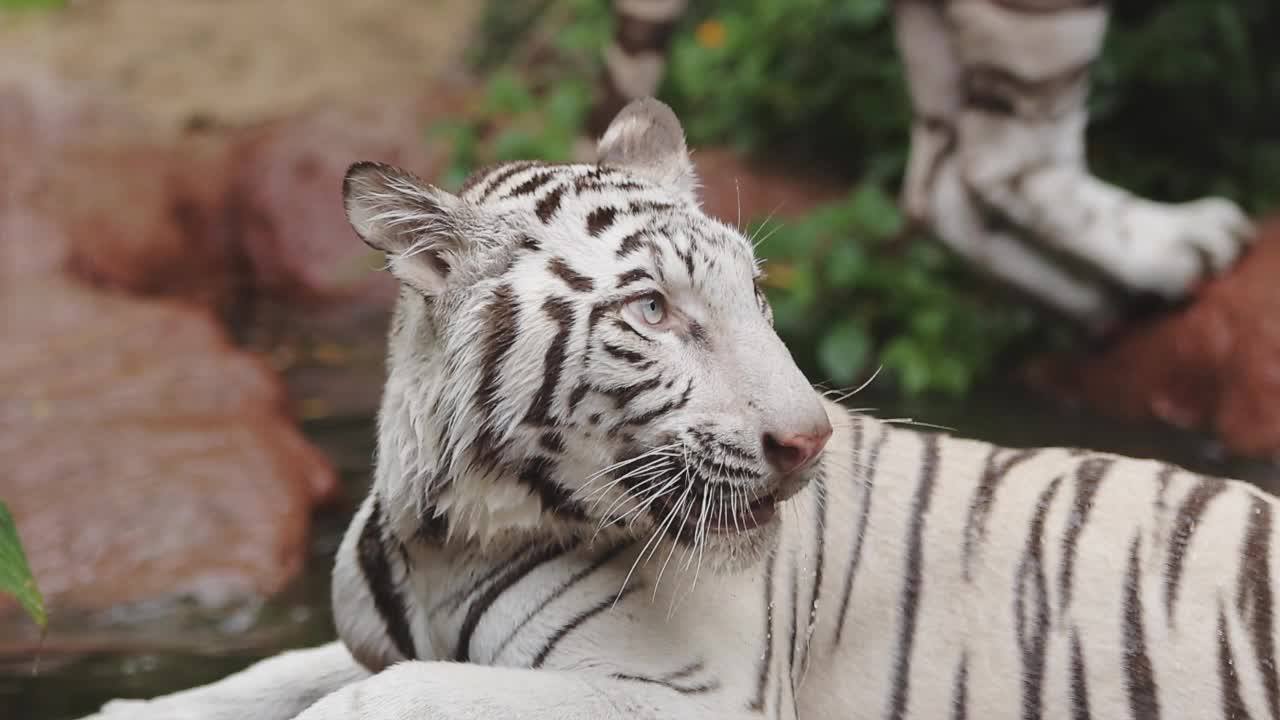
143	456
147	219
1214	365
285	204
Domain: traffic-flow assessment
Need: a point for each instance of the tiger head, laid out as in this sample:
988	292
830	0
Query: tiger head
579	347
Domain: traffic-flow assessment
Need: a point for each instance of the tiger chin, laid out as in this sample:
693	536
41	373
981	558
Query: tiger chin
604	490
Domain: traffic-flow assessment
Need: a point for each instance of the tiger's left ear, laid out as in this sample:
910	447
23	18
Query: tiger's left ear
646	138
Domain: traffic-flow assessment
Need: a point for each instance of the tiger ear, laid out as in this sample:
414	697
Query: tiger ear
645	137
413	223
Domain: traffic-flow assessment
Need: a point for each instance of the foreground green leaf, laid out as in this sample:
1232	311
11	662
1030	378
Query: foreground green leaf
15	574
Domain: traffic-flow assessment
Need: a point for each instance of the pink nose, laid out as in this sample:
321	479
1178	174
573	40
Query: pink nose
788	453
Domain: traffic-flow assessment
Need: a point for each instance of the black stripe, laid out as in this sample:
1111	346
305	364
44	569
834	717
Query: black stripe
600	219
819	552
575	397
1184	526
515	573
687	257
1233	706
670	406
560	311
1031	615
574	279
633	276
960	690
1140	680
500	323
622	396
855	555
634	242
636	207
1089	474
549	205
581	186
697	332
559	592
456	598
1254	599
577	622
531	185
708	686
984	495
376	568
626	327
536	473
794	611
766	659
552	441
630	356
913	581
502	177
1079	684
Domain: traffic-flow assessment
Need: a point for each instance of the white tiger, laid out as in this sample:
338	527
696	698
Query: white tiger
604	490
997	163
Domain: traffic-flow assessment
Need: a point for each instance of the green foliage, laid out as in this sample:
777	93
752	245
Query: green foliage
816	79
510	123
32	4
15	574
1184	105
1185	100
543	58
850	294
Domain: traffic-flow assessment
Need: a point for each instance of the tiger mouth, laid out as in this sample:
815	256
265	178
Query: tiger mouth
724	521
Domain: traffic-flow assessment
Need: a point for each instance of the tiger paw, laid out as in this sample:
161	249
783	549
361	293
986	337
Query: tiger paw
1172	248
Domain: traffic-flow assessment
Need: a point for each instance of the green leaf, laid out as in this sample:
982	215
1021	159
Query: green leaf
15	574
845	264
877	213
507	94
843	352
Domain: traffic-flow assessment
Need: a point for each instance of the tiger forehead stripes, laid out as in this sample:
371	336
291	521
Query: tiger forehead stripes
604	491
586	317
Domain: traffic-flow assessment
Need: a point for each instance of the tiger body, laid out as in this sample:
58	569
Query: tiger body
603	490
917	576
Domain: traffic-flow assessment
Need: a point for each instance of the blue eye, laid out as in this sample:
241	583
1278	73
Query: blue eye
652	309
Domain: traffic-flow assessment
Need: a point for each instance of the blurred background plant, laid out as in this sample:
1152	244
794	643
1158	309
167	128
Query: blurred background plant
851	293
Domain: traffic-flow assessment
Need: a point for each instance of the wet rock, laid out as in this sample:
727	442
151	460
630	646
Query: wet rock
285	205
146	219
143	457
1213	365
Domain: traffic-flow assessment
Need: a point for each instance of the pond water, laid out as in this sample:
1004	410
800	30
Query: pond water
160	650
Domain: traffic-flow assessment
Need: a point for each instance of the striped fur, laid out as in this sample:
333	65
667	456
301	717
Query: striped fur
997	164
904	575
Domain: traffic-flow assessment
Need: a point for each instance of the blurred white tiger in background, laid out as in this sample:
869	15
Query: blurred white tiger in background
998	89
604	490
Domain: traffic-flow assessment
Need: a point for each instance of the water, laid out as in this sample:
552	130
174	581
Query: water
162	650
